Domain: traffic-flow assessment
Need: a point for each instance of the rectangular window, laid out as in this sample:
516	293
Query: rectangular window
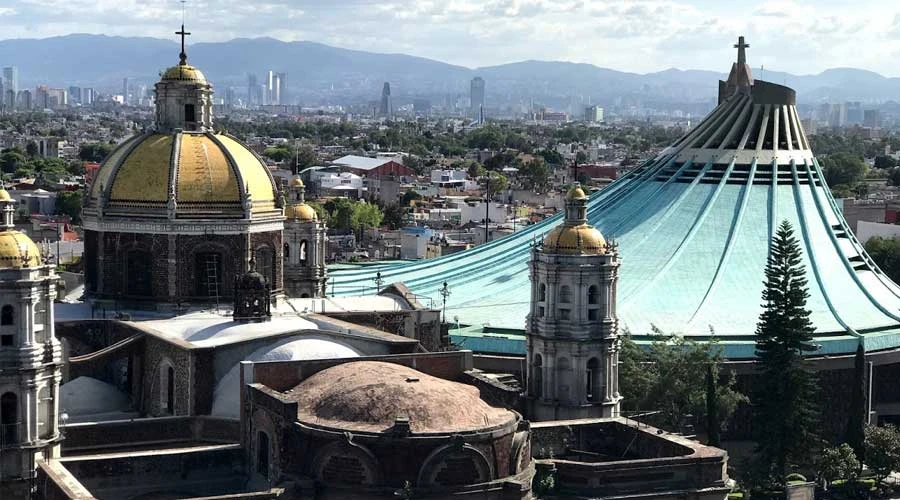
541	312
6	340
564	314
593	314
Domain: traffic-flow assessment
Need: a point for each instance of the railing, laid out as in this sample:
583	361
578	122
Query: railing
9	434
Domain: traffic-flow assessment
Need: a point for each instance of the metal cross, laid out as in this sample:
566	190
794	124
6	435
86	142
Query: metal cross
183	54
742	55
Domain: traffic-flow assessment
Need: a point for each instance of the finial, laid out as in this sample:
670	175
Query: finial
741	46
183	55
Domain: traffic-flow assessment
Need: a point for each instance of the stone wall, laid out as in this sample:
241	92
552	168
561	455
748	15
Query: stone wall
148	431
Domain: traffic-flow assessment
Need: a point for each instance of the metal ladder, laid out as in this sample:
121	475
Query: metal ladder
212	277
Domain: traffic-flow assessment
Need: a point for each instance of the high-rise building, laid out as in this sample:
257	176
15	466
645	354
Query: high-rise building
75	95
385	110
24	100
87	96
11	78
282	89
872	118
476	94
593	114
125	90
854	113
252	90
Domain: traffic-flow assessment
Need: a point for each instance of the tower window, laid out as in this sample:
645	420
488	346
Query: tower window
190	115
565	294
564	314
303	251
537	377
542	293
540	311
593	295
9	418
592	377
593	314
6	315
287	251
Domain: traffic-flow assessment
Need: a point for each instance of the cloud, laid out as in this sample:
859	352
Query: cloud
633	35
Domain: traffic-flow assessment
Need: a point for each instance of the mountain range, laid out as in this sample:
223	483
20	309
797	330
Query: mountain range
320	74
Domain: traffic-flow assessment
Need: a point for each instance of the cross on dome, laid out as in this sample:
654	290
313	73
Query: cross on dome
183	54
742	54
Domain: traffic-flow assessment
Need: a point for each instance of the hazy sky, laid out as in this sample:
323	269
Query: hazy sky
632	35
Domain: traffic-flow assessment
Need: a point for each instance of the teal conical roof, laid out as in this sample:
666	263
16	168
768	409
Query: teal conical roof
693	228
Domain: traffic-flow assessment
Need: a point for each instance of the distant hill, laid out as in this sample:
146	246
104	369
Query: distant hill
323	73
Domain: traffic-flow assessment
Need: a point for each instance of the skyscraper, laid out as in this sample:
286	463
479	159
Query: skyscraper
282	89
386	109
125	91
476	95
11	78
252	90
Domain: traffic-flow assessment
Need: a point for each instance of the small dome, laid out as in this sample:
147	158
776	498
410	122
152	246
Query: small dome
184	73
301	212
297	182
371	395
17	250
582	239
4	195
576	193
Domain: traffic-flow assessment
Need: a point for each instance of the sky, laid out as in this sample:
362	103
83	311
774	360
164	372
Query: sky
799	37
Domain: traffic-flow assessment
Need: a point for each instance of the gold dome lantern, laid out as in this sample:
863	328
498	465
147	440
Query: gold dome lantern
18	251
582	239
297	182
576	193
301	212
183	73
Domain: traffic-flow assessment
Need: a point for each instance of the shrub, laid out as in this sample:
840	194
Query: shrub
839	463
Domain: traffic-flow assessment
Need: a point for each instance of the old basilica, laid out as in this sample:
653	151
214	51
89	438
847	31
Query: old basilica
219	368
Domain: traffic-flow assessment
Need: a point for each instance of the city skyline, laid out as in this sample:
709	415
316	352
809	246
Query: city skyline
637	36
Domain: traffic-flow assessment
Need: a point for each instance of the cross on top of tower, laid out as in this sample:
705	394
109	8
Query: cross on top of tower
742	54
183	54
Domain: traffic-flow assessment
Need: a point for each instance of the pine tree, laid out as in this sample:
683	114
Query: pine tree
784	409
856	422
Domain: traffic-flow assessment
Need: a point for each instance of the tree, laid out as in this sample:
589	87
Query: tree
884	161
581	157
494	182
365	216
886	254
475	170
31	149
306	158
882	450
409	197
69	203
12	160
279	153
393	216
784	409
838	463
535	174
94	151
340	213
671	376
843	168
712	405
856	421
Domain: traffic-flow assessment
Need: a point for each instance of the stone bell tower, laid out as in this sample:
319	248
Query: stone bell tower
572	329
30	359
304	246
183	97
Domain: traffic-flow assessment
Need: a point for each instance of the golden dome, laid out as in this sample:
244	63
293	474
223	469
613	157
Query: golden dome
184	73
301	212
18	251
582	239
297	182
213	174
4	195
576	193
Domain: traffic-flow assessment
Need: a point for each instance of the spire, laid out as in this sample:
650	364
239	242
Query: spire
740	79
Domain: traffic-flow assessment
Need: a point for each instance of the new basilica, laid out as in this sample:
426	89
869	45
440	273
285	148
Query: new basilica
288	393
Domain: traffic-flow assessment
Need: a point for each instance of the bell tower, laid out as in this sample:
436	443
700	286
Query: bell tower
183	97
572	329
305	273
30	359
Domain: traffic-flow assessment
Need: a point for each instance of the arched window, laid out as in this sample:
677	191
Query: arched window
592	380
167	387
542	293
9	418
287	251
565	294
262	454
304	254
537	376
593	295
6	315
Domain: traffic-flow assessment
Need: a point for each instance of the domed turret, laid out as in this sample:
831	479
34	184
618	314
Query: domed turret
575	235
17	250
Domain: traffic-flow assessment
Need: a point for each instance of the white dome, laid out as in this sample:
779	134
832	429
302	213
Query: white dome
227	398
